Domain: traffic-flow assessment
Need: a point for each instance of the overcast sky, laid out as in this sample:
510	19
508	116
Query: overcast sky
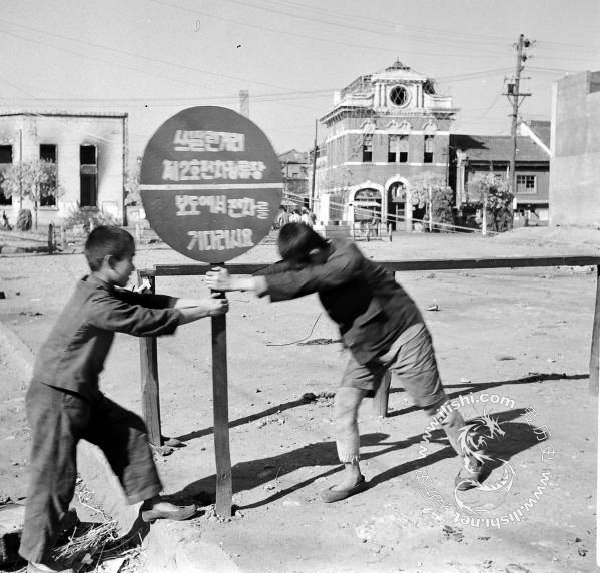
152	58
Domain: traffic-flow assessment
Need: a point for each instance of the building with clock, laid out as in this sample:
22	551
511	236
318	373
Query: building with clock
385	132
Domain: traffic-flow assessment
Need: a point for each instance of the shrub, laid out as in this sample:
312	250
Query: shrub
24	220
88	218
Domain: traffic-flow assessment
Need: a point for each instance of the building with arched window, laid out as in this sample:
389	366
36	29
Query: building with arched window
384	132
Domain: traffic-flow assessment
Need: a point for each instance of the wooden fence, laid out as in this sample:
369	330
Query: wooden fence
148	348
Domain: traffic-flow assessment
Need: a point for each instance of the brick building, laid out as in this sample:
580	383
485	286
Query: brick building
384	131
90	153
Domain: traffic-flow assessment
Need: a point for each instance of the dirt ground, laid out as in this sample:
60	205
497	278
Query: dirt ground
521	336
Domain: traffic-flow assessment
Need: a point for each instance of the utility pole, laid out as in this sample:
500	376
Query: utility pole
516	98
311	203
20	168
244	103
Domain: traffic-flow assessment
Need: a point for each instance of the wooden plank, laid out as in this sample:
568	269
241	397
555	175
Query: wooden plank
381	398
221	416
491	263
595	350
404	265
149	380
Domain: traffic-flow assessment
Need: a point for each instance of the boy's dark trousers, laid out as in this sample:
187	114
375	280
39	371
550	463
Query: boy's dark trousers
58	420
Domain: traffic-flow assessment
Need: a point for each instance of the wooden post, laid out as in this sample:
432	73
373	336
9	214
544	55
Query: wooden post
149	372
50	238
430	211
595	351
381	398
221	415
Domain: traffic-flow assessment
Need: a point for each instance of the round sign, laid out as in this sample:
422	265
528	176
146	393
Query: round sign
210	183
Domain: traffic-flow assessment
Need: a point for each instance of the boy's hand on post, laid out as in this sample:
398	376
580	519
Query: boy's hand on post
218	279
215	305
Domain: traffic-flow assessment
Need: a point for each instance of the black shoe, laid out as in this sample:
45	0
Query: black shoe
469	476
48	565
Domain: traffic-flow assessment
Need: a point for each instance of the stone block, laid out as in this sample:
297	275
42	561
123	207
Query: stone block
11	528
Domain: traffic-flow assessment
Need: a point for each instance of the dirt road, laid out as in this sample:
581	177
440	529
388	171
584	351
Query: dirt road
518	340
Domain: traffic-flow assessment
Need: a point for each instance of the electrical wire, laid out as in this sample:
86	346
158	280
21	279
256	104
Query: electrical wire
302	339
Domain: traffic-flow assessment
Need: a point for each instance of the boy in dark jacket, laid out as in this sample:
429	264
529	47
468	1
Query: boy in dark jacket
64	403
379	323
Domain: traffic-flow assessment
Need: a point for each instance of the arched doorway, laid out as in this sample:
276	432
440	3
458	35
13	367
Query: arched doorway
396	206
367	205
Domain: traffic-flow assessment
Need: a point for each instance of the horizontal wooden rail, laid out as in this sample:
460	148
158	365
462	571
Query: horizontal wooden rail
405	265
150	374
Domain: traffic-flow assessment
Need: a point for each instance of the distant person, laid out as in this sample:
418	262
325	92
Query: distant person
5	222
282	217
306	217
374	226
64	404
379	323
295	217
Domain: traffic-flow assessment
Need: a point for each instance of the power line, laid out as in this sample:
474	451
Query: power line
141	56
455	41
287	32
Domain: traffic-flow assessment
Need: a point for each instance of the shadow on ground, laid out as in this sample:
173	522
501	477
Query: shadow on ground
517	437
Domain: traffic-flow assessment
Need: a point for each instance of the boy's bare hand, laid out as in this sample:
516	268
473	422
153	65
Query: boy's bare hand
214	306
218	279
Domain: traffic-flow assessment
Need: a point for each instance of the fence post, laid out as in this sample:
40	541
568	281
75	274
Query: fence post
149	379
595	350
50	238
221	416
381	398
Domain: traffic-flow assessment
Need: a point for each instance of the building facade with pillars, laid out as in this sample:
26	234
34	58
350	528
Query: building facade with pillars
90	153
383	133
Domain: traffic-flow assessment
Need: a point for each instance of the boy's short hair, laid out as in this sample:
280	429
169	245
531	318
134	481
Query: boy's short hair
107	240
296	241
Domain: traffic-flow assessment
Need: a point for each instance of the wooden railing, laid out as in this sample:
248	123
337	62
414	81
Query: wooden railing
148	352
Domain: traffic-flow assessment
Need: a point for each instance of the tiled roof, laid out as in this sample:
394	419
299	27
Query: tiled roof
293	156
542	130
497	148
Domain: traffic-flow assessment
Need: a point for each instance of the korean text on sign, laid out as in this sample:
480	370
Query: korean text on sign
202	169
214	204
211	141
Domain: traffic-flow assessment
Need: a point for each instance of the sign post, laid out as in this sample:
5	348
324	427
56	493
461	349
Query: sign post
211	185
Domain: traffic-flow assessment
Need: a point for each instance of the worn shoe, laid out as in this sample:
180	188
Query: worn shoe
48	566
151	511
331	495
469	476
